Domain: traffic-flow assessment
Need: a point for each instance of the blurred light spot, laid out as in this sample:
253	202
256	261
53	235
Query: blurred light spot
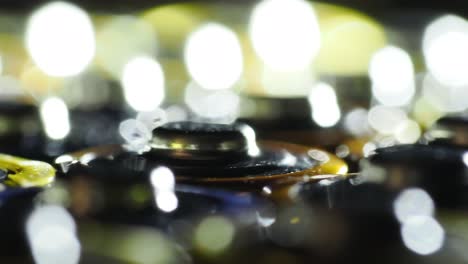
385	119
54	116
166	200
326	182
384	141
50	215
143	83
286	84
163	181
175	113
51	235
55	245
465	158
213	57
141	245
295	220
115	48
266	190
136	135
87	158
444	48
293	191
60	39
11	88
221	106
368	148
392	75
214	235
444	98
425	112
423	234
288	160
355	122
265	221
349	40
37	83
249	133
153	119
1	65
162	178
285	33
325	109
342	151
413	202
408	132
342	170
318	155
65	161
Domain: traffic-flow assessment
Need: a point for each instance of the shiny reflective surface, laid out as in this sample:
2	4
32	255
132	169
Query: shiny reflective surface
206	133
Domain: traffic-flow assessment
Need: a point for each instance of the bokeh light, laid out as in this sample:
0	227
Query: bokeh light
392	75
162	178
444	98
55	119
214	235
465	158
386	119
143	83
355	122
166	201
444	48
318	155
325	108
1	64
39	84
349	39
51	233
141	245
221	106
11	88
413	202
285	33
425	112
423	235
175	113
60	39
408	132
50	215
115	47
277	83
213	57
163	181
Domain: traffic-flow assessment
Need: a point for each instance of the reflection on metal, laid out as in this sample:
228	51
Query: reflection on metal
26	173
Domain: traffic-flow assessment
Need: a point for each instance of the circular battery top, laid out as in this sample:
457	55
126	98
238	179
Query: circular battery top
440	170
205	153
198	141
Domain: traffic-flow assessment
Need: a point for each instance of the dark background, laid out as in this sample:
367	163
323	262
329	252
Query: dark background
373	7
